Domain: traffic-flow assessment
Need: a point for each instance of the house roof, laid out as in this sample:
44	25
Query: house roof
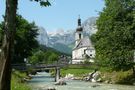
85	42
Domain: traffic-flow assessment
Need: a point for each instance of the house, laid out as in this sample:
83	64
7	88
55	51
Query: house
83	47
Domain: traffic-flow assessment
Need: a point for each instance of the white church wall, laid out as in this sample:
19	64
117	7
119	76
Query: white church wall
77	35
78	53
91	53
77	61
77	38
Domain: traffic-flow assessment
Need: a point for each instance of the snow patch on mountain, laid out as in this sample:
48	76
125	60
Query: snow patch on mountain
61	39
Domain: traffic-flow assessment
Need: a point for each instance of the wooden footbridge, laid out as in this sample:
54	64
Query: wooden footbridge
42	67
57	67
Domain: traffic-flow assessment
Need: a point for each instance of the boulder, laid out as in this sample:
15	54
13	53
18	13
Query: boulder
107	82
51	88
77	78
86	78
69	76
61	82
93	77
96	77
93	80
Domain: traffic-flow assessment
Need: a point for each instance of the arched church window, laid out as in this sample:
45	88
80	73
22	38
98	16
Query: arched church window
84	51
79	36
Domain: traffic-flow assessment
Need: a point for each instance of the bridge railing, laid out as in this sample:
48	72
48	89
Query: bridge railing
62	62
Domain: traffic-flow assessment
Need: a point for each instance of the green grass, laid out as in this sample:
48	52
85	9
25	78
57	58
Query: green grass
119	77
80	69
17	82
76	72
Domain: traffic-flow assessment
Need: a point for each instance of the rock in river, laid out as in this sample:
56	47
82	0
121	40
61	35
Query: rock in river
61	82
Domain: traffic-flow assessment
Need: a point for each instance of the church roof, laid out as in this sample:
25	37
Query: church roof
85	42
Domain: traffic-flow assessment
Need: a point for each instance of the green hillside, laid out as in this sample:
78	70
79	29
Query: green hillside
62	48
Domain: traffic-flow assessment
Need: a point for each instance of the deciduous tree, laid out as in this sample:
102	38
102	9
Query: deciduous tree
115	39
25	39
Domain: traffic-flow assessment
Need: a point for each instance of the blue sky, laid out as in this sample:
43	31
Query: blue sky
63	14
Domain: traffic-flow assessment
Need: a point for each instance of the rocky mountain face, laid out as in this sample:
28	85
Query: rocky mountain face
43	36
63	41
89	26
61	37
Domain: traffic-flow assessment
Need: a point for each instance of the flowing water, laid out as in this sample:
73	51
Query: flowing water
43	80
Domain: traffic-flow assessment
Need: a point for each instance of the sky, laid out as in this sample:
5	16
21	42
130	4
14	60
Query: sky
62	14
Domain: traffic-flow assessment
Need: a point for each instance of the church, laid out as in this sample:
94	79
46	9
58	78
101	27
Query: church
83	47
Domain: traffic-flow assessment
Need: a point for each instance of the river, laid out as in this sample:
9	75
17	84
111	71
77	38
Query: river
43	80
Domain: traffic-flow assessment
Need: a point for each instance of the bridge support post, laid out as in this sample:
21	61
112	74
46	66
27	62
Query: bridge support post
57	74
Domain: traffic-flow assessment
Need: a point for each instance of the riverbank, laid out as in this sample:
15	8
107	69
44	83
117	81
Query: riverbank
43	80
119	77
18	81
106	75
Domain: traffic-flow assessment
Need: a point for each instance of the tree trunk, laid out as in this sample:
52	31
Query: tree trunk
8	44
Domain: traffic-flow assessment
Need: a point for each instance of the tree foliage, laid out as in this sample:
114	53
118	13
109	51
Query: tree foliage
25	39
43	2
115	39
44	55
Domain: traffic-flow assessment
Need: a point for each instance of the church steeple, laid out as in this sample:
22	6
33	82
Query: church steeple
79	32
79	21
79	28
